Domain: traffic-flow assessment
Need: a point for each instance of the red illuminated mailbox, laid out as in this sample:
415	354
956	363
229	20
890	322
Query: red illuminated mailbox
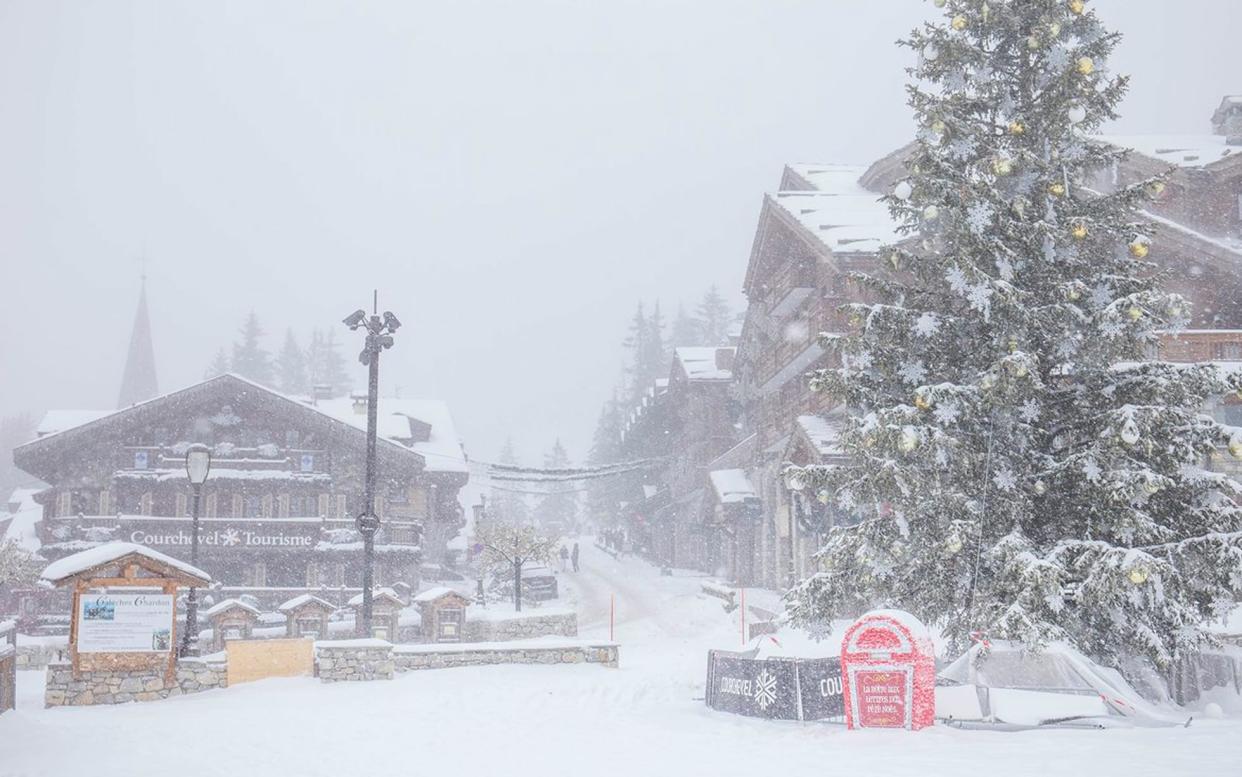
889	667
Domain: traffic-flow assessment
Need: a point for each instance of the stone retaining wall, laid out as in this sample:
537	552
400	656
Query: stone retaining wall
414	658
561	624
355	659
117	686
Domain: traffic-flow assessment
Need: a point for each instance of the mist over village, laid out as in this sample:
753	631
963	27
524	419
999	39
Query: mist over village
624	388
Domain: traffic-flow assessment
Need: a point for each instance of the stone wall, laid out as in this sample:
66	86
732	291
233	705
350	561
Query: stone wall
482	626
119	686
354	659
410	658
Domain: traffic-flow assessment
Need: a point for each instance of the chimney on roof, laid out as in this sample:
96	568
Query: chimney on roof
1227	120
724	358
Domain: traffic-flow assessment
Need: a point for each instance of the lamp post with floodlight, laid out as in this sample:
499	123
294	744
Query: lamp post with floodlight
197	467
379	338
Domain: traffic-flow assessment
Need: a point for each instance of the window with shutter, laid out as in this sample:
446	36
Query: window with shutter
341	506
323	505
211	505
181	506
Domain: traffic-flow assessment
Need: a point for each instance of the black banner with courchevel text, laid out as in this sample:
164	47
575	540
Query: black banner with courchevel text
774	688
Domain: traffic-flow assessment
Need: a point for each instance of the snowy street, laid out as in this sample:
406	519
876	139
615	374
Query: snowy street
646	718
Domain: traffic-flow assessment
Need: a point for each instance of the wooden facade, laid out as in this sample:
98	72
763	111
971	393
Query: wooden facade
278	509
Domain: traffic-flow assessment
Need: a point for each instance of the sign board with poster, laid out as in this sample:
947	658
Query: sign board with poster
124	606
888	664
774	688
125	623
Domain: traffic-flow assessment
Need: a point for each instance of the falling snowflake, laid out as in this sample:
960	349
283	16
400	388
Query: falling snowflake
845	500
765	689
979	298
1101	295
913	372
1111	328
979	217
927	325
942	456
1004	268
1030	411
862	360
946	413
1067	347
1050	249
1091	470
1004	480
1059	57
956	279
962	149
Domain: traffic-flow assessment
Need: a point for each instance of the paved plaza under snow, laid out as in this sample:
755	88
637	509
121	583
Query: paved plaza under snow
645	718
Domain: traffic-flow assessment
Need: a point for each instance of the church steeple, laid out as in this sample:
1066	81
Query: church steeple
138	381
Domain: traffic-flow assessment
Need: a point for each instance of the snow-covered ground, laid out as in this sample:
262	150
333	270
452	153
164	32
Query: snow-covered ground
646	718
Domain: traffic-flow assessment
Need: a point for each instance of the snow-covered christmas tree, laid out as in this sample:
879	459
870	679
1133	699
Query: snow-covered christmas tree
1018	468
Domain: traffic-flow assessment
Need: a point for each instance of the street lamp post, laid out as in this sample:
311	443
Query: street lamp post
379	338
197	466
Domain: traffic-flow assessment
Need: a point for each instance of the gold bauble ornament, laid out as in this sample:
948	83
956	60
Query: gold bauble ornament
1086	66
1138	575
1139	249
1057	190
1013	345
1016	127
931	213
1235	448
922	401
1054	29
987	381
954	545
823	496
1040	487
1156	188
1002	166
1032	42
855	319
1135	313
1074	294
1151	487
1077	6
959	22
1079	231
938	126
940	3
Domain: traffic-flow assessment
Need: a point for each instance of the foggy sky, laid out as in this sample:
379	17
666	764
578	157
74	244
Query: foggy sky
513	176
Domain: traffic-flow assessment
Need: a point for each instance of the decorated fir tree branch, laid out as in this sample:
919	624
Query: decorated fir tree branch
1016	467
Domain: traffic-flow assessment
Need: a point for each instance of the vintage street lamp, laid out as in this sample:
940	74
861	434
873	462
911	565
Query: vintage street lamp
379	338
197	467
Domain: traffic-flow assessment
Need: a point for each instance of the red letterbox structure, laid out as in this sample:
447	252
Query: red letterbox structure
889	667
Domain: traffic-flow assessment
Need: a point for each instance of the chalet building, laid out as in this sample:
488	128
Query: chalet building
285	486
689	419
826	221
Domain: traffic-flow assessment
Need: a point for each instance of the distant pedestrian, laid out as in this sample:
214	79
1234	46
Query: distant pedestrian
574	556
564	559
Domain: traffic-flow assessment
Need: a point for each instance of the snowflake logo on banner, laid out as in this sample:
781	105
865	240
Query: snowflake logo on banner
230	538
765	690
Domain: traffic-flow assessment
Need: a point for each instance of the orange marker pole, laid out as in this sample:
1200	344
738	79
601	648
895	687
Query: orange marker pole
743	609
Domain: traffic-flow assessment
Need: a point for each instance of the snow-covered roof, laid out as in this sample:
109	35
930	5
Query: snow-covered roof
732	486
1177	150
229	604
699	362
21	527
442	450
431	594
304	599
55	421
378	593
401	422
840	213
822	433
113	551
